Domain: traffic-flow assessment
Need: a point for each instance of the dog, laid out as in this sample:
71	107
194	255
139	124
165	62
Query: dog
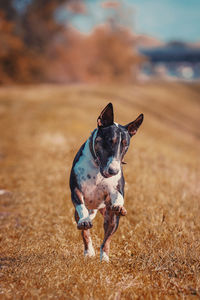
97	181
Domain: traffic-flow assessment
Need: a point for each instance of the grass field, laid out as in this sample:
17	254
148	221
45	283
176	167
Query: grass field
155	253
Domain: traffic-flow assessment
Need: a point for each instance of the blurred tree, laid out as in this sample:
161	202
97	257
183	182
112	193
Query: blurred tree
15	63
35	46
26	31
39	25
114	52
7	7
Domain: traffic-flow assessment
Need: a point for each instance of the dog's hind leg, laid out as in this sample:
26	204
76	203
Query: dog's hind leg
111	222
88	247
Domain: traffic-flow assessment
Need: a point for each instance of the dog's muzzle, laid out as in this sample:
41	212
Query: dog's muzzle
111	169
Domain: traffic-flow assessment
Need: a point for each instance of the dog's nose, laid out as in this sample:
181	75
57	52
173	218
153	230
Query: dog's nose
113	171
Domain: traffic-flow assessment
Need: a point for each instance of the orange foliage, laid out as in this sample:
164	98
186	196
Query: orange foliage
17	62
113	56
105	55
36	48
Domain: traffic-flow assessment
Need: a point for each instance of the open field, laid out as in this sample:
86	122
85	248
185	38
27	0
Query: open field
155	253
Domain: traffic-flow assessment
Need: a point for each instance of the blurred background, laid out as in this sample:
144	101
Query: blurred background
74	41
61	62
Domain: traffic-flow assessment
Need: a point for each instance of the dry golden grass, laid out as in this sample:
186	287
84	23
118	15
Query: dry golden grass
155	254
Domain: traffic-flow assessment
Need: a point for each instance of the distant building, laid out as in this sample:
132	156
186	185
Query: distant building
175	60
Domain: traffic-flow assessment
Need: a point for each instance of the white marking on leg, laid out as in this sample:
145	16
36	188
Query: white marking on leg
92	213
82	211
117	199
103	256
90	251
102	205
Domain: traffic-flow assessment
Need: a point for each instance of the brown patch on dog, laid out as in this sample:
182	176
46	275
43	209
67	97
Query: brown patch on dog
79	195
114	140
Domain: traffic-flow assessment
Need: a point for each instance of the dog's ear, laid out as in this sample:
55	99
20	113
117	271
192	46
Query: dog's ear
106	117
133	126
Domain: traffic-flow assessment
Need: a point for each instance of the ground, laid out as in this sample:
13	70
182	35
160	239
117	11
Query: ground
155	252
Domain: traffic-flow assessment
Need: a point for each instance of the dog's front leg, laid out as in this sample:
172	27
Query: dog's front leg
83	220
88	247
117	203
111	221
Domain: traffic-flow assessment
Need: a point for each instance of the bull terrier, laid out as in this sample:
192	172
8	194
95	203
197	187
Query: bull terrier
97	181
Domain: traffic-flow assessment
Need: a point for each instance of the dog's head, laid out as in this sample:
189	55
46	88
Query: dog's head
112	141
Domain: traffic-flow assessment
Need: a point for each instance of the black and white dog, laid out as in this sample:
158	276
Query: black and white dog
97	181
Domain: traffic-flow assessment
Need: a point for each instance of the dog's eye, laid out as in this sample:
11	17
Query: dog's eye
98	139
124	143
97	153
114	140
110	141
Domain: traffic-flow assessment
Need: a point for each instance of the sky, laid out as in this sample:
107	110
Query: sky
166	20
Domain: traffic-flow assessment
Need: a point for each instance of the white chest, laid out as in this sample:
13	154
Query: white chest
93	185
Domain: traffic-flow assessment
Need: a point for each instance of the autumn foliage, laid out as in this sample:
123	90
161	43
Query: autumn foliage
35	47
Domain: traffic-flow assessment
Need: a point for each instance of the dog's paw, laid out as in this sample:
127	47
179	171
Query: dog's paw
84	223
89	252
119	210
103	256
